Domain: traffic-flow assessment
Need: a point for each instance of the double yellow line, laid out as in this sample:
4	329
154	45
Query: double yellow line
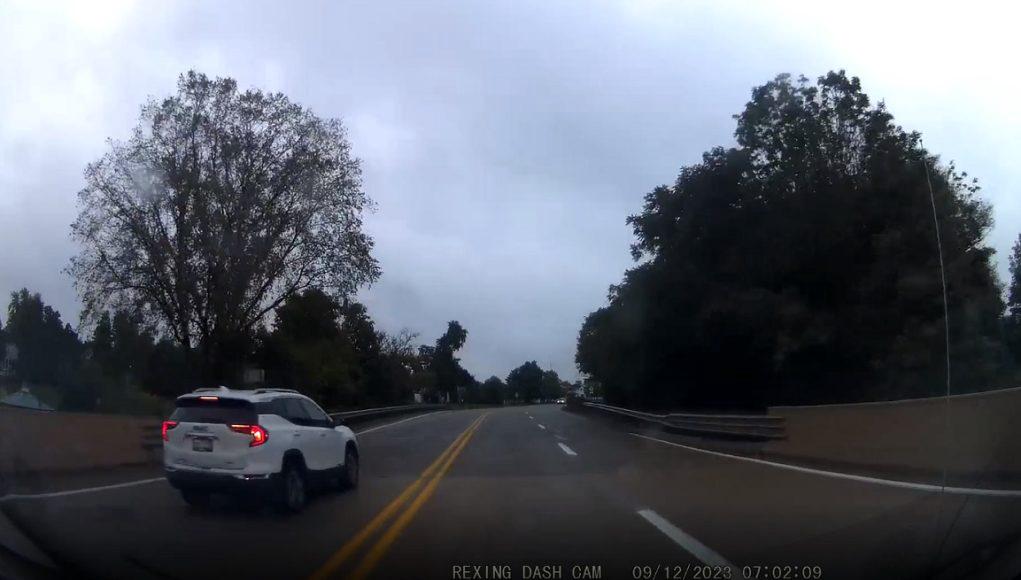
427	483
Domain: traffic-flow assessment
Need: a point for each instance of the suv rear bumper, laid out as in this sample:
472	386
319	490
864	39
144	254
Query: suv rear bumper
223	482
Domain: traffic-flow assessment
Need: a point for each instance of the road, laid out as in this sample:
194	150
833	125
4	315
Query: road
525	490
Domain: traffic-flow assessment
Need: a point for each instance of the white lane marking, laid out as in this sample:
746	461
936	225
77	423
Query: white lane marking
12	496
541	426
686	541
433	414
849	476
78	491
566	449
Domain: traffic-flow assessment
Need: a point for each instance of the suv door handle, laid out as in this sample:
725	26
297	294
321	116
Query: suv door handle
297	434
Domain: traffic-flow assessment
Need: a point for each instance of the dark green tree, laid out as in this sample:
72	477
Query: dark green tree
551	386
307	350
1012	320
525	382
399	365
121	346
446	368
801	266
493	391
168	373
49	351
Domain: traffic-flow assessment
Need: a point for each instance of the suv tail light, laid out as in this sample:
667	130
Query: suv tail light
167	426
258	433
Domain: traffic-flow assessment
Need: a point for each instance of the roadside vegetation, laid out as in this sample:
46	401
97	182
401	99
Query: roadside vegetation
801	266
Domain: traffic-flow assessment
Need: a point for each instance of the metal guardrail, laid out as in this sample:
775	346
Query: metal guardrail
365	414
737	426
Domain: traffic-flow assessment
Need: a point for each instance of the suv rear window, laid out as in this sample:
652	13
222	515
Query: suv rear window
227	411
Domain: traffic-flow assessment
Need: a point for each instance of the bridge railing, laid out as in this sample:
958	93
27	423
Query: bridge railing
734	426
359	415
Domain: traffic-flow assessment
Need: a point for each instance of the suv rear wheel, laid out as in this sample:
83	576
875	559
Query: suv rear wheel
349	479
293	491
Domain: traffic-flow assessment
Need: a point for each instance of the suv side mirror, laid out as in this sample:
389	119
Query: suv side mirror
338	421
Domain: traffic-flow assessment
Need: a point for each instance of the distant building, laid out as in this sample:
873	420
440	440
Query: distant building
590	388
24	398
8	356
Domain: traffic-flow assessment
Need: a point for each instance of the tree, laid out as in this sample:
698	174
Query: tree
221	206
801	266
399	363
551	386
309	351
492	391
168	373
122	346
1012	322
525	382
445	368
48	349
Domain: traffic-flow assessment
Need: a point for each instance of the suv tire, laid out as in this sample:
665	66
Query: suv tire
293	490
349	477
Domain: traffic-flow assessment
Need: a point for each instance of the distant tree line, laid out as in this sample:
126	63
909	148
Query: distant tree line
329	350
801	266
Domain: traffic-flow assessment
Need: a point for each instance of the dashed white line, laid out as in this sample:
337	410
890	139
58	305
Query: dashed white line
416	417
566	449
78	491
686	541
541	426
838	475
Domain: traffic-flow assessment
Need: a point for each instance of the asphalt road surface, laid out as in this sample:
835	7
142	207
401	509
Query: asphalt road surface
527	492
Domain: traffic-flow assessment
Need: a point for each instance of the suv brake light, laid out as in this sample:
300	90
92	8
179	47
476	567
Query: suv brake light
258	433
167	426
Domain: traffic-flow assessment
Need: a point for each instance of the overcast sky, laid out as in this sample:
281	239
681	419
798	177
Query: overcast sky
504	142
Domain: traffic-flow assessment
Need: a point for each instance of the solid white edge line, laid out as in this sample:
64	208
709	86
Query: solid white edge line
78	491
860	478
566	449
541	426
696	548
155	479
377	428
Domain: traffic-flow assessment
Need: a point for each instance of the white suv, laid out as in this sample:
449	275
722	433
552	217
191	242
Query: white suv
275	442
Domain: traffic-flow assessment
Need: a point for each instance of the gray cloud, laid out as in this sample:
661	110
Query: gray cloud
504	143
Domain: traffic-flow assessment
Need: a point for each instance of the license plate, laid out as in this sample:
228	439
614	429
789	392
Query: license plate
201	444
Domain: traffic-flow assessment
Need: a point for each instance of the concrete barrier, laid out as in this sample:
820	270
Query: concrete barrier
352	417
975	437
34	441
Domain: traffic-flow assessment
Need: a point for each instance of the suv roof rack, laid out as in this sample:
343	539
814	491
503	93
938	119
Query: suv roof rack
274	390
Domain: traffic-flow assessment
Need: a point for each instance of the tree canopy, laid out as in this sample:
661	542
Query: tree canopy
222	205
801	266
48	348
